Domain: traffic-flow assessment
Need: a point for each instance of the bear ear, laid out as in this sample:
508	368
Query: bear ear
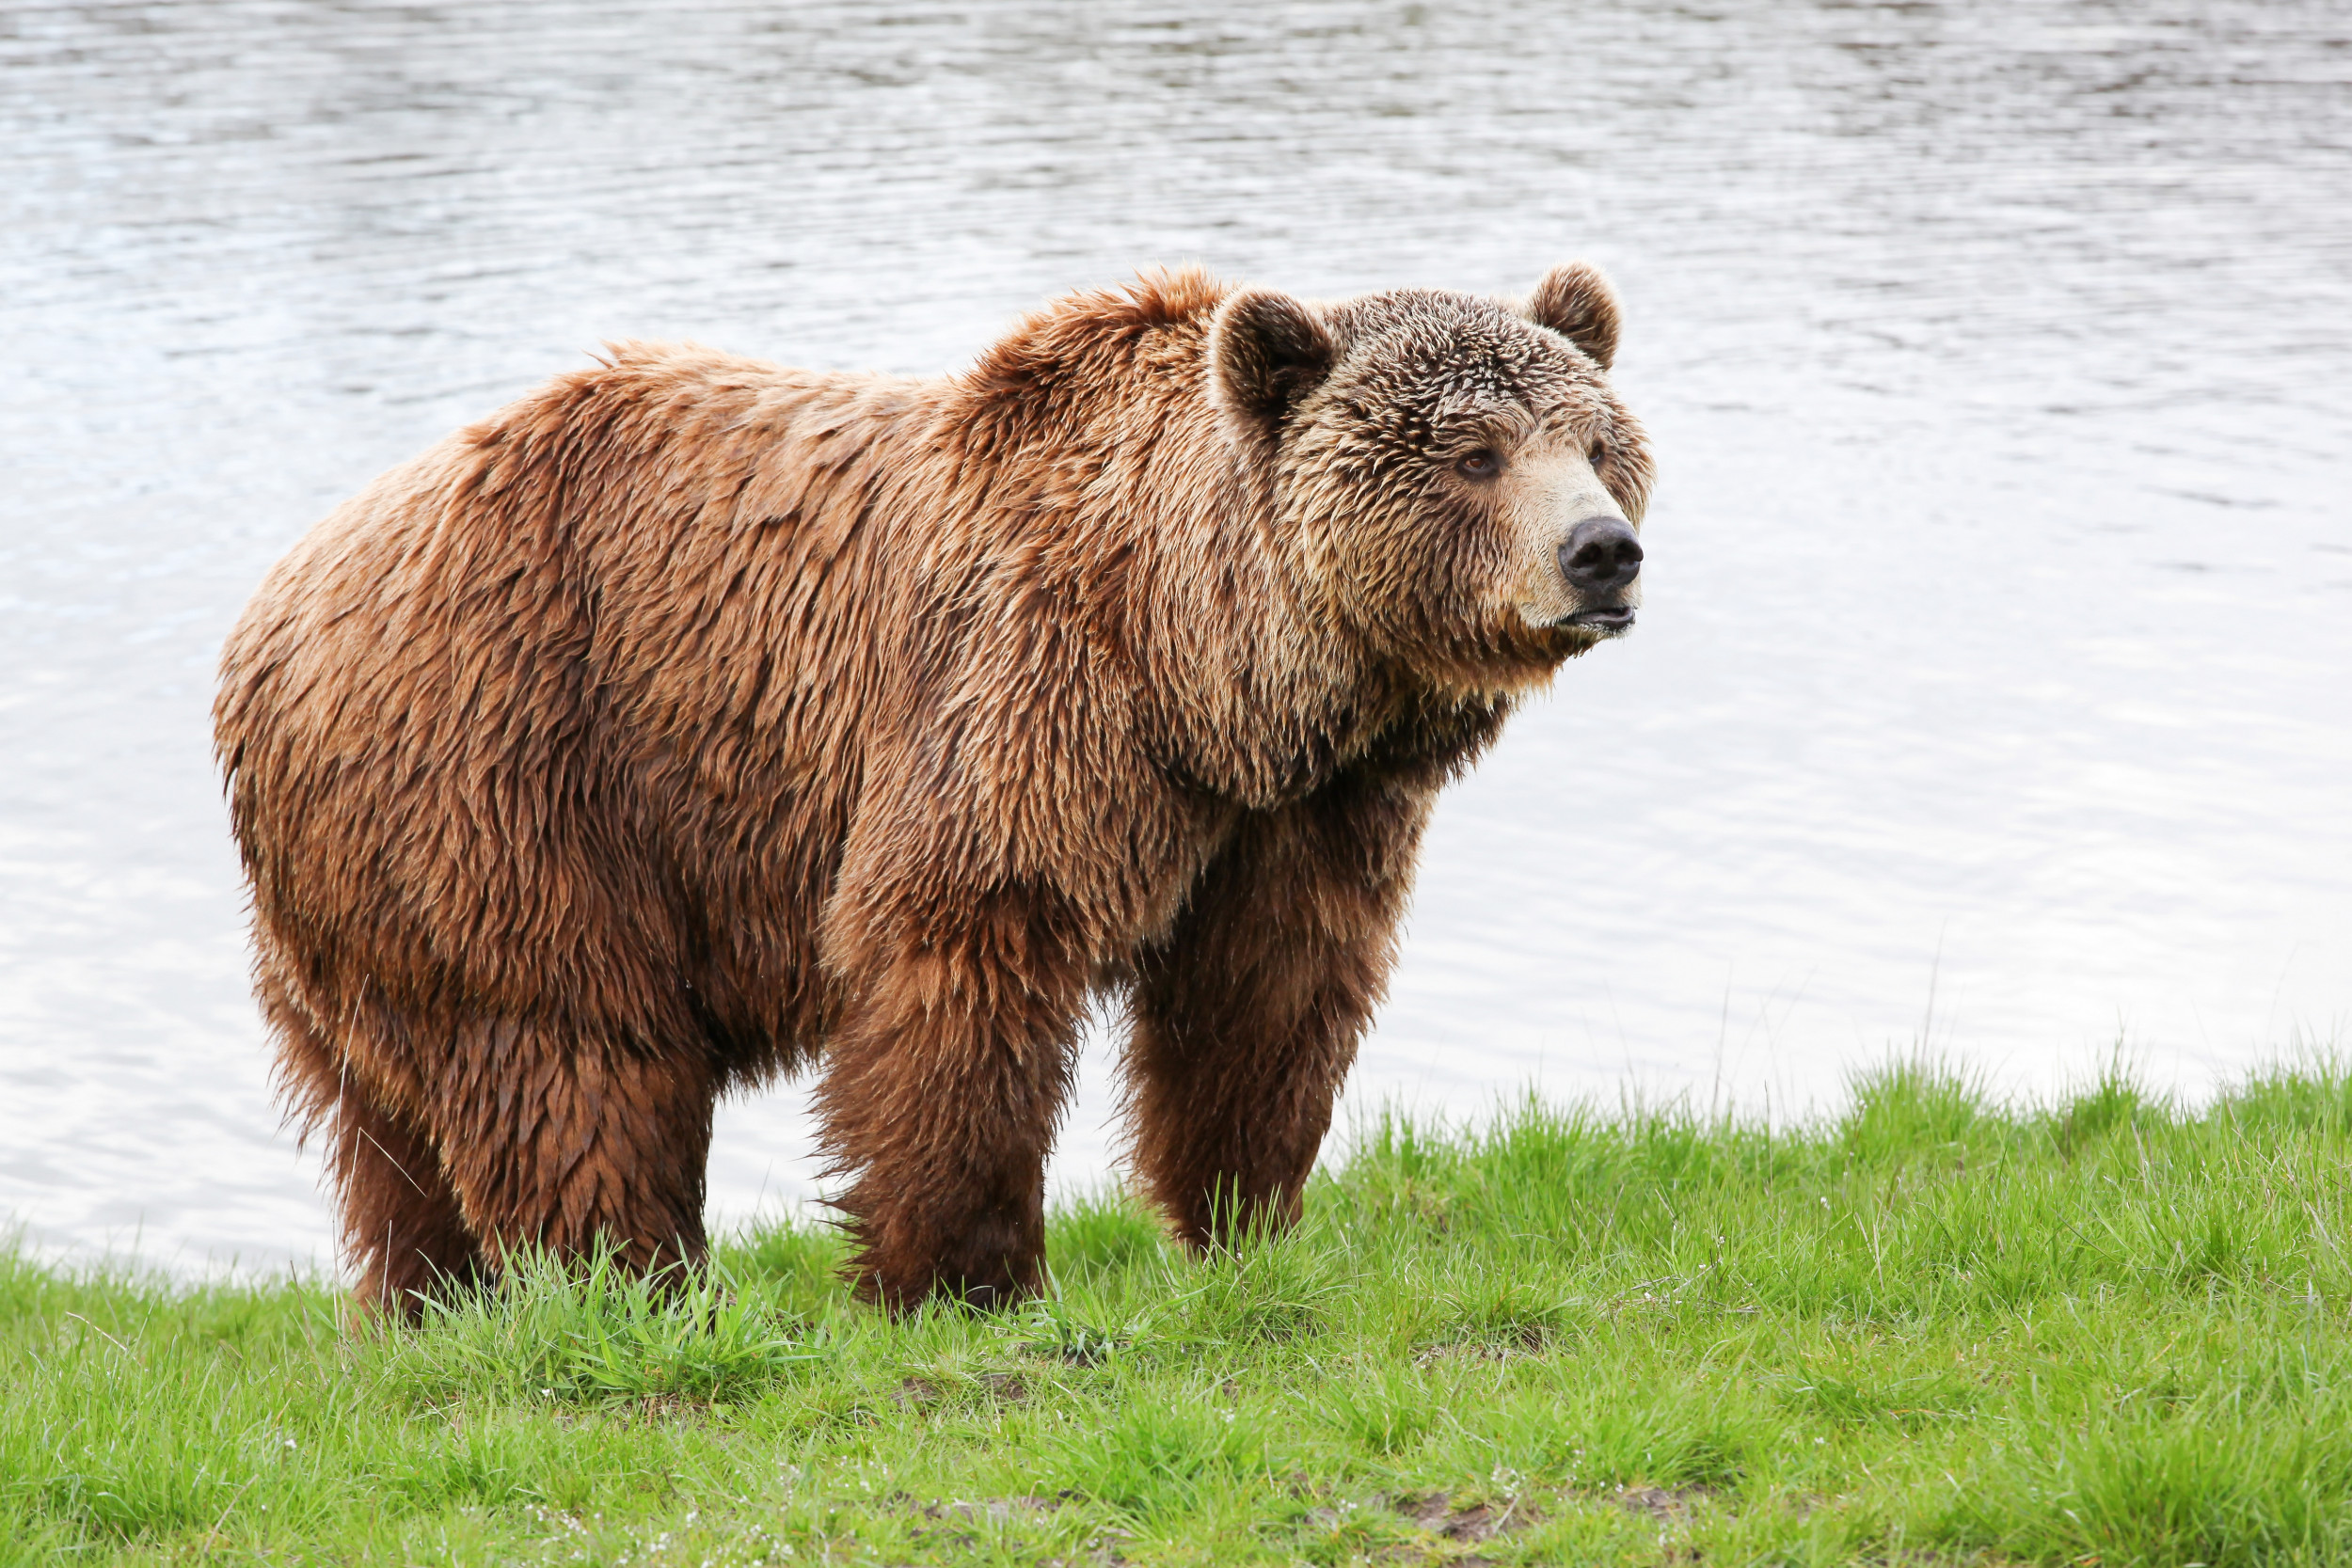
1266	351
1577	302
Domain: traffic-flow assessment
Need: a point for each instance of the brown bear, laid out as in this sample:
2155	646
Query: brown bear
693	719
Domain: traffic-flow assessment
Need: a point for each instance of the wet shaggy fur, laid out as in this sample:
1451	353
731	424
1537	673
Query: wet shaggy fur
694	721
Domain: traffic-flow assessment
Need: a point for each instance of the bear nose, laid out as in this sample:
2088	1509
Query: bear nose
1602	556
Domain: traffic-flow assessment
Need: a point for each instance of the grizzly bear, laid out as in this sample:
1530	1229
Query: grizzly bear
693	719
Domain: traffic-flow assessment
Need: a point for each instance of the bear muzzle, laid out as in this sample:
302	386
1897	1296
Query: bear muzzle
1601	561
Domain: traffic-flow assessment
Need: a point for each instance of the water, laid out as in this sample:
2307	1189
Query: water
1992	682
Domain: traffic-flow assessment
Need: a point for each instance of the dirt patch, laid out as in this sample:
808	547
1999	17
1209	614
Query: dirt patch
657	1410
994	1510
918	1394
1082	1352
1510	1345
1478	1522
967	1523
1442	1531
1667	1505
1009	1386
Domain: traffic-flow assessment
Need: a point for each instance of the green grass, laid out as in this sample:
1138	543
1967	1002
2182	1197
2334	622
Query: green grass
2100	1333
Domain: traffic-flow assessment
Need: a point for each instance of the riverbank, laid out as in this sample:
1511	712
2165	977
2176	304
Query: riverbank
1937	1329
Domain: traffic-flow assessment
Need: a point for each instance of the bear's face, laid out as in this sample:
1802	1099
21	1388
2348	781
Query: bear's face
1458	481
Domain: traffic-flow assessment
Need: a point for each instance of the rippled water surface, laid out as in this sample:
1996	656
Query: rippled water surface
1994	678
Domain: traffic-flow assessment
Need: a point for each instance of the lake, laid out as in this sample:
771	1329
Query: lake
1994	688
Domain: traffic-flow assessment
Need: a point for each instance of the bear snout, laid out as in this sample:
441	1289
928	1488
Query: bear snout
1600	561
1601	557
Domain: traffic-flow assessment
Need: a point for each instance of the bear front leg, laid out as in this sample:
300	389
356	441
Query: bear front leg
1246	1017
400	1222
571	1140
404	1232
943	1082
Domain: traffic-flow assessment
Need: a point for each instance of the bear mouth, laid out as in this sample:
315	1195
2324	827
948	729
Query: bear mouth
1608	620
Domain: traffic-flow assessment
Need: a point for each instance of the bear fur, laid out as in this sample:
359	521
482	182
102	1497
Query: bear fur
695	720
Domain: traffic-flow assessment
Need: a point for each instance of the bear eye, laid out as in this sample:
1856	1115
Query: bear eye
1599	449
1483	463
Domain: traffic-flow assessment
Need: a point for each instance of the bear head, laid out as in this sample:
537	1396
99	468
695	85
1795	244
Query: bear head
1450	476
